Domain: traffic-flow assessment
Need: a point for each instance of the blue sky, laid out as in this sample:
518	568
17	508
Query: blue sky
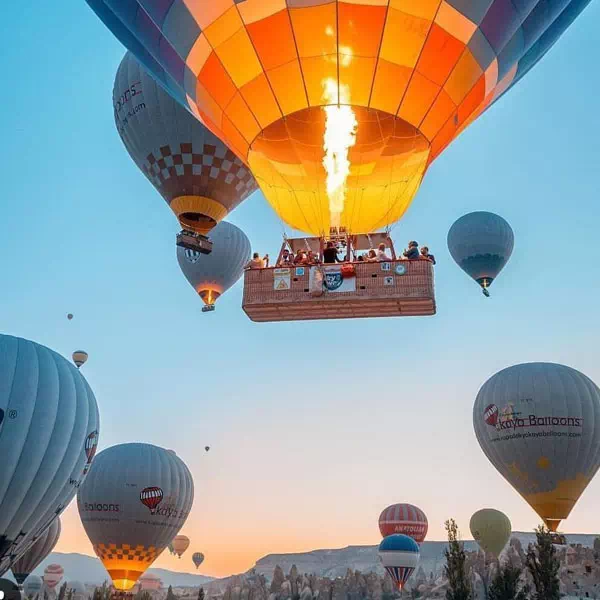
314	427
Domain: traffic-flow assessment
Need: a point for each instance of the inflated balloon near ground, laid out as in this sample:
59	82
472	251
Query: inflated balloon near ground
48	436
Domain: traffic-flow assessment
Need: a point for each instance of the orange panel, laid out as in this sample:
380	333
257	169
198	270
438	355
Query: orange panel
472	101
358	76
390	84
443	138
440	53
440	112
243	118
288	85
256	10
316	71
273	40
233	137
455	23
224	27
420	95
198	55
464	77
213	112
216	81
361	28
239	58
411	30
206	13
315	30
261	101
424	9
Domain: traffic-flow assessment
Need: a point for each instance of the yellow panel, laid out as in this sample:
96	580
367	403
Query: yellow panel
288	85
206	13
315	30
239	58
419	97
224	27
424	9
389	87
255	10
455	23
411	30
261	101
358	76
440	112
242	117
465	75
316	72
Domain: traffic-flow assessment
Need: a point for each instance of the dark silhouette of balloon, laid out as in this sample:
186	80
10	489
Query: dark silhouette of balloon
69	316
481	244
80	358
538	424
198	559
28	562
49	412
206	448
406	519
201	179
133	503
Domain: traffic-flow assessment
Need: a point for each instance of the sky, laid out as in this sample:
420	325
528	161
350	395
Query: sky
314	427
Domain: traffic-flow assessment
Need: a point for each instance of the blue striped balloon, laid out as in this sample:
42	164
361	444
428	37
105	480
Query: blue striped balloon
399	554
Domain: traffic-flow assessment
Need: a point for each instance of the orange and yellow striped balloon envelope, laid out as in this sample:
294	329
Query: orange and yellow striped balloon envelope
338	106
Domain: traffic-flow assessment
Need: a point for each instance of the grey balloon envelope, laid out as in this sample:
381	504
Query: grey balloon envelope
133	503
201	179
50	412
29	561
539	425
213	274
481	244
32	586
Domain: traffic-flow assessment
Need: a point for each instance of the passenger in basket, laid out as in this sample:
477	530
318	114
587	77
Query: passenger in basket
256	262
413	251
266	261
330	255
425	255
286	258
311	259
299	258
381	255
371	256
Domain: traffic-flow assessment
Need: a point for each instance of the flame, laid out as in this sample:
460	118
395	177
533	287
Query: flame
340	136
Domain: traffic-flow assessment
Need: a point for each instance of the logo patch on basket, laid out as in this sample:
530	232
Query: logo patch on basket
333	281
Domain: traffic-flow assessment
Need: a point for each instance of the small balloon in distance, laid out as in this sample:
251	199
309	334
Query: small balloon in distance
70	316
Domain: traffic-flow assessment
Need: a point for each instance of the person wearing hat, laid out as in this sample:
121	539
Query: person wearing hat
412	253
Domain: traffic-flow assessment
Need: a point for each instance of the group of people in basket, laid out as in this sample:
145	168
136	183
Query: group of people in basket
330	256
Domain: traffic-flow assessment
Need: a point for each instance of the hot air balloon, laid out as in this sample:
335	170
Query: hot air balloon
399	555
198	559
491	529
32	586
77	589
28	562
53	575
481	244
212	275
538	425
80	358
406	519
70	316
206	448
132	504
180	544
170	547
49	413
338	106
198	176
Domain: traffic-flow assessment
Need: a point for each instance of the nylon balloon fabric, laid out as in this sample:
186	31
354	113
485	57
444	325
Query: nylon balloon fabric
33	557
50	417
134	502
539	425
415	74
201	179
213	274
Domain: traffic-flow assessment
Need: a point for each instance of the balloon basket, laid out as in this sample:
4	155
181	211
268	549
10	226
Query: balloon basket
208	308
194	241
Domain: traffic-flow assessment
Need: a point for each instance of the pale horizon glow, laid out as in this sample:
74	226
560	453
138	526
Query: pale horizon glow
314	427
